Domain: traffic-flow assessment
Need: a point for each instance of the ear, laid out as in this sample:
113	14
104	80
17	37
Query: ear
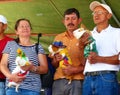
16	32
80	20
109	16
5	26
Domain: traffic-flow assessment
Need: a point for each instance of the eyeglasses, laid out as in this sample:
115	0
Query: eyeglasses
99	13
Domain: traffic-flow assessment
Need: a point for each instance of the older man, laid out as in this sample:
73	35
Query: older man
100	69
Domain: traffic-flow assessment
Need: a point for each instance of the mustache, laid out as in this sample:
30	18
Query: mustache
70	24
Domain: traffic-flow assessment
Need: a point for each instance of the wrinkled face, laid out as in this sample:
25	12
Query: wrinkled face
71	22
100	15
23	29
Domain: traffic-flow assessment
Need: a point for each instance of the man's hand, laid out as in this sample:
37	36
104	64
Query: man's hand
58	57
68	70
83	41
93	58
55	60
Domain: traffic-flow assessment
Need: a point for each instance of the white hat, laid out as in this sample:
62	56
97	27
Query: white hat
3	19
94	4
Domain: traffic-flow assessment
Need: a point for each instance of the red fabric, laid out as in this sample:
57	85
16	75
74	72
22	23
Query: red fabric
2	46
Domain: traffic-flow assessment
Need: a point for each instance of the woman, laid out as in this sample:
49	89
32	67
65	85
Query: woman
31	83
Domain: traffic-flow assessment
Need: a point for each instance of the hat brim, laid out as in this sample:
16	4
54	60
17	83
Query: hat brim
94	5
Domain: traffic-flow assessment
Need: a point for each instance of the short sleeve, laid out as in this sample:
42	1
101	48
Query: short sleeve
8	47
41	50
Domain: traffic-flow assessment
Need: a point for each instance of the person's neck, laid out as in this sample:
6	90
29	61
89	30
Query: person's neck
70	33
101	27
25	42
2	36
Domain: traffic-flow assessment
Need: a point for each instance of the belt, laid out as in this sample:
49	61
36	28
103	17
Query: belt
98	73
2	80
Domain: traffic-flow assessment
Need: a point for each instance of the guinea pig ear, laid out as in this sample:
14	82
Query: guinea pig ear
83	26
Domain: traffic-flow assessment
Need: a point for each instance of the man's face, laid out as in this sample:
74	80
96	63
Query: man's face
100	15
71	22
1	27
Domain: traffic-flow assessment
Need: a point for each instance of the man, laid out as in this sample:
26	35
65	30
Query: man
100	69
61	85
3	41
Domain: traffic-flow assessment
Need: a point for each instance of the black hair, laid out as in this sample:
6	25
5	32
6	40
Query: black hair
72	10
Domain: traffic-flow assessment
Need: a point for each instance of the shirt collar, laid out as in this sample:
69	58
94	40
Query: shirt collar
104	30
67	35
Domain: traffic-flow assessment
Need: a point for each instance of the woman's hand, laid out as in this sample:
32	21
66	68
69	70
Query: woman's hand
16	78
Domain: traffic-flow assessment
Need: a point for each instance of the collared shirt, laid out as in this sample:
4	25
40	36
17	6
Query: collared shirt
108	44
74	53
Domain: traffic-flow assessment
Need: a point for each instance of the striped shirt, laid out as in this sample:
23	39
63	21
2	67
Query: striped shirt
32	80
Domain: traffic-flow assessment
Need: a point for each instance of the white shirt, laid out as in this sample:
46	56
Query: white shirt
108	44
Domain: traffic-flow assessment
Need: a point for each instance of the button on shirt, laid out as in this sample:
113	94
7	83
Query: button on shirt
108	44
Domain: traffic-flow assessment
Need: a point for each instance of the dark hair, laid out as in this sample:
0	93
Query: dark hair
17	24
72	10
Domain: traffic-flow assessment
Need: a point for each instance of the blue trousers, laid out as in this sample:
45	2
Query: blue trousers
2	88
11	91
103	84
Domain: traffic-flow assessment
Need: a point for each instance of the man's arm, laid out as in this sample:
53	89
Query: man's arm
71	70
94	58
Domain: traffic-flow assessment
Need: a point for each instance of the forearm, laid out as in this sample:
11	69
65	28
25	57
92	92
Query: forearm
110	60
78	69
5	70
43	65
39	69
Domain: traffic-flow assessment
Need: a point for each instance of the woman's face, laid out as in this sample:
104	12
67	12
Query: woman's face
23	29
